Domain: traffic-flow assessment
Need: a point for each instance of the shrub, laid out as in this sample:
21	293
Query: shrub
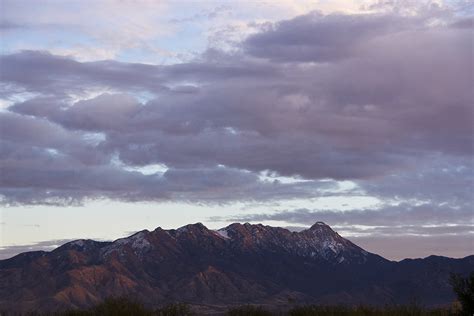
464	289
120	307
313	310
175	309
410	310
248	310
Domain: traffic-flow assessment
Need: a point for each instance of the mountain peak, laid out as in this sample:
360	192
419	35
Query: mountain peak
248	229
197	226
319	224
195	264
321	228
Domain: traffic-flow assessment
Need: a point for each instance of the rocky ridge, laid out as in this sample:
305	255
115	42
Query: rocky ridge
241	263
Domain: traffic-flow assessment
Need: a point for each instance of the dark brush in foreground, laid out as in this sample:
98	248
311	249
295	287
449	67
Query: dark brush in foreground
125	307
239	264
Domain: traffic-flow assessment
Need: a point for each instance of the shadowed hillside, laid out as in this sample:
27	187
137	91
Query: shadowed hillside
239	264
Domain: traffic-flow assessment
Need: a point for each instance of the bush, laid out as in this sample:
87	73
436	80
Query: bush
313	310
126	307
248	310
410	310
464	289
176	309
120	307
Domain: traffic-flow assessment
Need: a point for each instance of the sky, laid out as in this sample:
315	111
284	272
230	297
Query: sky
123	115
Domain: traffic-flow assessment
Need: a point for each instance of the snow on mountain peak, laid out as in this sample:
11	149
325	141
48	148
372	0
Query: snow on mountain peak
137	242
319	241
191	228
78	243
223	233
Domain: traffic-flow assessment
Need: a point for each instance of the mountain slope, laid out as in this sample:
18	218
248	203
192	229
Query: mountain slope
241	263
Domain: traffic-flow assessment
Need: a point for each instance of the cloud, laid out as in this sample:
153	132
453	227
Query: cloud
103	113
467	23
48	245
369	97
137	30
316	37
47	74
43	163
399	215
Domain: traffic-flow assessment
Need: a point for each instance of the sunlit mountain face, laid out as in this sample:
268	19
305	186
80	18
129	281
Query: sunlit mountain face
237	264
119	116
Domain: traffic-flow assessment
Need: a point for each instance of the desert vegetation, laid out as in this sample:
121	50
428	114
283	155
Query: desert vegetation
125	307
463	287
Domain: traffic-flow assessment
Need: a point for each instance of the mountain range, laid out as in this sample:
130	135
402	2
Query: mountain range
239	264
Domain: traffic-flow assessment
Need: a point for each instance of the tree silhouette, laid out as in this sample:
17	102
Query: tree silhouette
464	289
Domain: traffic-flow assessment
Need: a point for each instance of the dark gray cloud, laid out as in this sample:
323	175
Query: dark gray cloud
47	74
316	37
400	215
43	163
38	176
467	23
406	230
381	99
440	181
